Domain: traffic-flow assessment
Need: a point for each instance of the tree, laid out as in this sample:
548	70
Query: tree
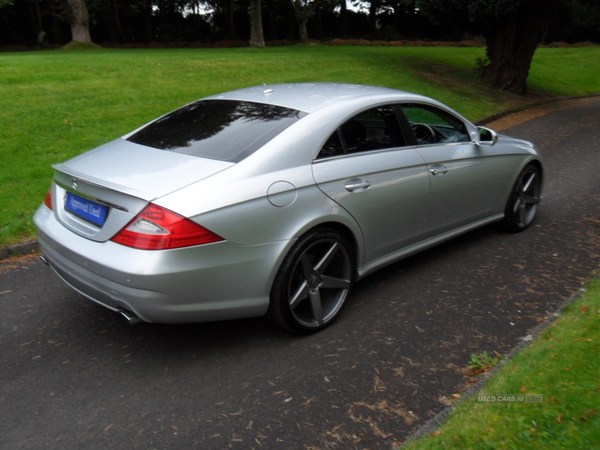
374	7
80	22
229	8
256	27
305	10
512	31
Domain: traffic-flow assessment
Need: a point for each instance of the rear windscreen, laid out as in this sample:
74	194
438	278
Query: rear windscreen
227	130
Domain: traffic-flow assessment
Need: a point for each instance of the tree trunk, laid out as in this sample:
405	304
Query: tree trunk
80	22
344	19
511	43
118	30
230	20
304	10
374	5
147	21
303	29
256	27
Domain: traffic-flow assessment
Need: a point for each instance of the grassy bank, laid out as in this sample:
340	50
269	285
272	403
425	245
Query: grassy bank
563	366
57	104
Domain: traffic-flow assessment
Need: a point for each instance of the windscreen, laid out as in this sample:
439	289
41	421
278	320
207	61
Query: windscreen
226	130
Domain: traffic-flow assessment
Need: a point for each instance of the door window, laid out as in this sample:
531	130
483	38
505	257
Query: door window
431	125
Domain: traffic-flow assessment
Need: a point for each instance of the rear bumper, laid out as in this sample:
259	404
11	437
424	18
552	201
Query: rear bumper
196	284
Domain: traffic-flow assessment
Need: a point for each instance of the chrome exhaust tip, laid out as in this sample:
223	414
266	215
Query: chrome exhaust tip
131	318
43	258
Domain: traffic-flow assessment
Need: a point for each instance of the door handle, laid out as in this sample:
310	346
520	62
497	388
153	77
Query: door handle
357	185
439	171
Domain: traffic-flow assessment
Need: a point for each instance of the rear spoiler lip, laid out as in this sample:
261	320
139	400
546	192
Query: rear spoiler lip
103	184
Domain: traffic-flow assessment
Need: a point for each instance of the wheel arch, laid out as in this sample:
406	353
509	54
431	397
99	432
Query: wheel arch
281	311
516	221
515	176
538	164
348	235
351	237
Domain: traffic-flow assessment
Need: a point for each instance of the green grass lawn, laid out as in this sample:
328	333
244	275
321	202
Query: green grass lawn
562	365
57	104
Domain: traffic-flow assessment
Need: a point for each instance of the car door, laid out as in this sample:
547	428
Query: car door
366	167
462	180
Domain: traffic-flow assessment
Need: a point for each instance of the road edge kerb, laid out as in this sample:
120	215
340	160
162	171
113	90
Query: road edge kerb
20	249
435	422
509	112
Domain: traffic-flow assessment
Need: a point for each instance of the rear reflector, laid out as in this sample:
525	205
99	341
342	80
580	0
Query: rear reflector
48	199
157	228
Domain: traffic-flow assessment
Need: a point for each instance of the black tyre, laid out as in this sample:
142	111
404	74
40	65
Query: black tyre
313	282
524	199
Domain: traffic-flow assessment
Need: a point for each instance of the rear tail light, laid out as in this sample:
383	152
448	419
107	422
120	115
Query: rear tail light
157	228
48	199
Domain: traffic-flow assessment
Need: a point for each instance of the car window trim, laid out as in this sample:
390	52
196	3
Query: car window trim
370	152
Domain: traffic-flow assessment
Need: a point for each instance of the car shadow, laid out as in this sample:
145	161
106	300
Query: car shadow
372	300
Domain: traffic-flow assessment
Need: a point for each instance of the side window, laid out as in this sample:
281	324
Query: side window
374	129
431	125
333	146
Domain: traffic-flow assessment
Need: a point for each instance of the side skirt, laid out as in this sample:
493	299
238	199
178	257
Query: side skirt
420	246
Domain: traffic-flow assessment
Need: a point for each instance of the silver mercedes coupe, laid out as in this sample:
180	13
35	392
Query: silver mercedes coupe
274	200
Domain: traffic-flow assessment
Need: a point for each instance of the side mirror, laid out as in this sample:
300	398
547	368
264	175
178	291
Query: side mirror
485	136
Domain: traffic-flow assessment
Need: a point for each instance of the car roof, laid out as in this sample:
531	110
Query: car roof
309	97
